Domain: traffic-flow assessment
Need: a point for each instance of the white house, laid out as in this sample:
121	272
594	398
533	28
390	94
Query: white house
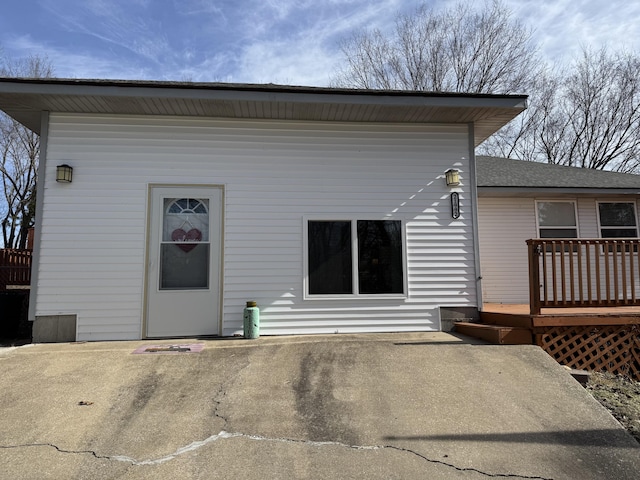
520	200
327	207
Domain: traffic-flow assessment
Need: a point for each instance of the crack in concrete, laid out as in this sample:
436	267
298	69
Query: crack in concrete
222	392
55	447
387	447
223	435
465	469
123	458
217	400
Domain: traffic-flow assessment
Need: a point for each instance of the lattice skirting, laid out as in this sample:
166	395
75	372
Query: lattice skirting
614	349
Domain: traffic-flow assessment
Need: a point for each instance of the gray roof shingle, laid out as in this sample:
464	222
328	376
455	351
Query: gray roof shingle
505	172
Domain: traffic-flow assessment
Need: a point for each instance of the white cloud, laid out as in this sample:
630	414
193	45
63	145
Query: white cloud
310	54
77	65
254	40
112	24
281	9
284	41
211	69
284	63
562	27
198	7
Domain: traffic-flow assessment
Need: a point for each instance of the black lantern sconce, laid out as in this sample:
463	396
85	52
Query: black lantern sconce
64	173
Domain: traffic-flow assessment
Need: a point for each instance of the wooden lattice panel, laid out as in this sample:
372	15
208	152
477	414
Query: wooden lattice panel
614	349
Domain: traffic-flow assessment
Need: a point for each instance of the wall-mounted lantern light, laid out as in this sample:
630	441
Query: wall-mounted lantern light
452	176
64	173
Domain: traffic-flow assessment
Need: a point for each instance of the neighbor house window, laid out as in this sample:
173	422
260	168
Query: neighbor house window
617	220
556	219
355	257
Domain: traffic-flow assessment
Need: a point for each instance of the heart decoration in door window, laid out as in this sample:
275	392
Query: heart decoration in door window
193	235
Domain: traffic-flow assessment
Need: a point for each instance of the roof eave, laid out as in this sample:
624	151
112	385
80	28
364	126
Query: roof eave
25	99
564	191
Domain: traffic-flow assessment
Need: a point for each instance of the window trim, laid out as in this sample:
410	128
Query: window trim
354	259
635	214
557	200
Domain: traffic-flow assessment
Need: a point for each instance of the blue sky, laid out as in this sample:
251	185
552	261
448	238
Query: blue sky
259	41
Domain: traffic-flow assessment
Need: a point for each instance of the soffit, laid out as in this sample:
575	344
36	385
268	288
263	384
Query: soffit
25	99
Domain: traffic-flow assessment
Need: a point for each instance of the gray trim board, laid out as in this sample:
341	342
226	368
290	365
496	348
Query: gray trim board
35	256
473	194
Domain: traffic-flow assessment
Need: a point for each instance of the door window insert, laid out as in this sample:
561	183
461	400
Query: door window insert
184	249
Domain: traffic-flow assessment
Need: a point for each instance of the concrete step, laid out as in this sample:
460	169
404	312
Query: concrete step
507	319
496	334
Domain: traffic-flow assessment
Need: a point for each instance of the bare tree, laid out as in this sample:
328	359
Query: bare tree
19	150
587	116
458	49
532	132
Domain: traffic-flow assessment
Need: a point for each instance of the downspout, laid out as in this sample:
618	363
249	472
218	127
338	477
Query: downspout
473	193
37	231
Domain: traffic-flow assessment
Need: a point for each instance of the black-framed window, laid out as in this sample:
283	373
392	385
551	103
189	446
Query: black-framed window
617	220
330	258
355	257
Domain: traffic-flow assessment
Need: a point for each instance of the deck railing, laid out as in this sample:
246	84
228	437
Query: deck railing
583	273
15	268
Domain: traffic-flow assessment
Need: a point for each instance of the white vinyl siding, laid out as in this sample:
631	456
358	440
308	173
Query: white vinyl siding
587	218
505	224
274	174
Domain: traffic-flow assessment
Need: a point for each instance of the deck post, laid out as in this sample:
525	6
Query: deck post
534	277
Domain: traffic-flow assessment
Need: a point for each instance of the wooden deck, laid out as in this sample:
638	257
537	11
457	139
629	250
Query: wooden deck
584	307
549	317
519	309
593	338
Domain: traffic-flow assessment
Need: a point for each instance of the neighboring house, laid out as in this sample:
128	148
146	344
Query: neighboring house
520	200
328	207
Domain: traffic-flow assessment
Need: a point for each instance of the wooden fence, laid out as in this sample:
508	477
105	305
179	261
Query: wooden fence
583	273
15	268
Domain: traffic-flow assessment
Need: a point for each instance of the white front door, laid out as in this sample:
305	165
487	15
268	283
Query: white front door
183	274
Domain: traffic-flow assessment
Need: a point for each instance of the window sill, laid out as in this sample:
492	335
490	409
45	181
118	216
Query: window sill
386	296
